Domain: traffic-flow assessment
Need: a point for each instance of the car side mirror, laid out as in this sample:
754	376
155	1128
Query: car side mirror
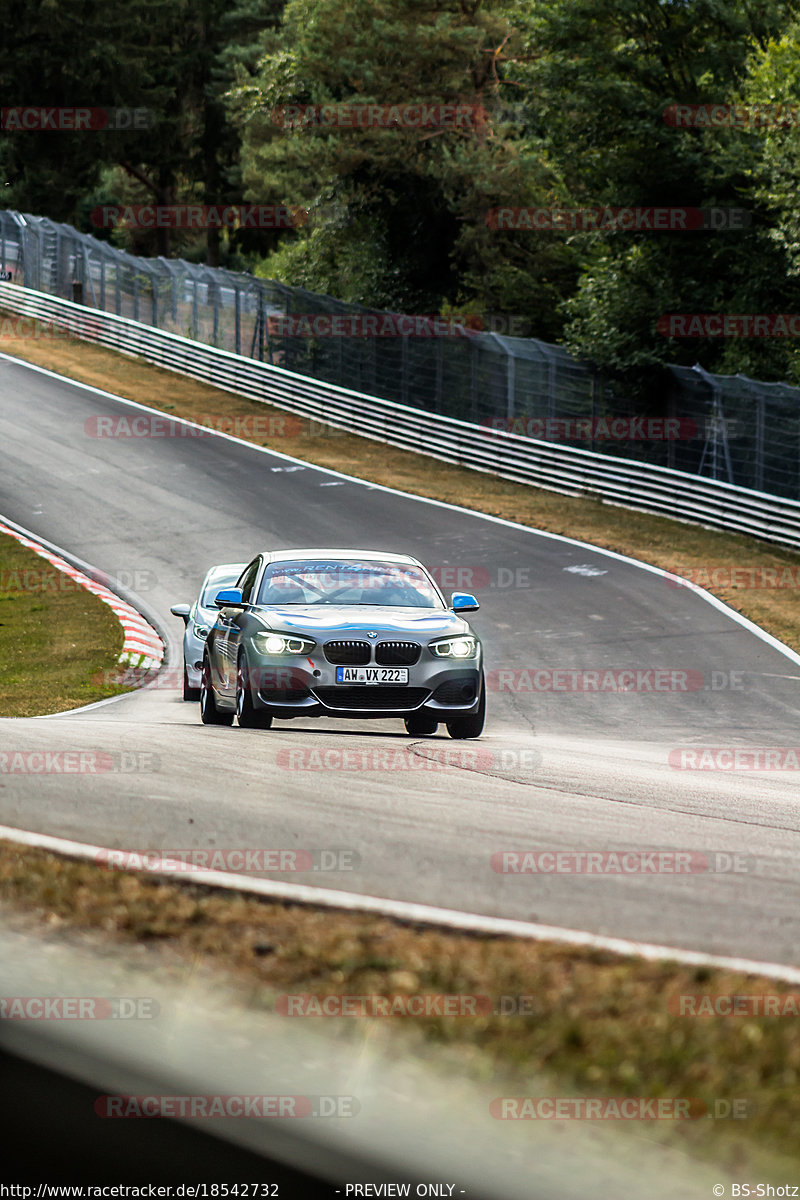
181	610
229	598
463	602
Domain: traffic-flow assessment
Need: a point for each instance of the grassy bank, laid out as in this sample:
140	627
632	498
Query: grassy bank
58	642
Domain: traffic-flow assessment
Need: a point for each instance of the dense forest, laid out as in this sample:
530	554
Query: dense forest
560	105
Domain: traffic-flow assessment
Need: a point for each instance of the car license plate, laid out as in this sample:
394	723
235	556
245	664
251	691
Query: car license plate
372	674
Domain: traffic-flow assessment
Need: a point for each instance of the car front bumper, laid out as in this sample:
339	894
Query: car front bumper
293	686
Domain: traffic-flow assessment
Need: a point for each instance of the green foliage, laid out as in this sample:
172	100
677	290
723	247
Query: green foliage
603	73
418	196
774	166
174	58
569	98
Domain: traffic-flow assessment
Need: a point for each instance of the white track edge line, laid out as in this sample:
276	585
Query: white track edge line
404	910
720	605
453	917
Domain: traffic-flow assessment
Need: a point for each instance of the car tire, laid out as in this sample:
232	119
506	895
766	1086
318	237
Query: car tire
421	725
209	712
470	726
189	692
248	715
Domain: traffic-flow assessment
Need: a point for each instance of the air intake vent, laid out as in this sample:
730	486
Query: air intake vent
397	654
456	691
347	654
372	699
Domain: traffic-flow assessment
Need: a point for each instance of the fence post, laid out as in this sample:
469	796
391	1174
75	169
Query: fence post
758	474
57	271
551	384
217	302
404	369
717	435
511	386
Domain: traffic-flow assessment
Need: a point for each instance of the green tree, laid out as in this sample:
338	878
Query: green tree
600	75
772	92
174	58
417	198
67	53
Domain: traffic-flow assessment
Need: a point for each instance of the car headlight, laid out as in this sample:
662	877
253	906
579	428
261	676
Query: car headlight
457	647
200	631
282	643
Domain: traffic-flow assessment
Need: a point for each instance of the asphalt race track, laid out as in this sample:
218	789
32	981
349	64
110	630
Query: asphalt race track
554	771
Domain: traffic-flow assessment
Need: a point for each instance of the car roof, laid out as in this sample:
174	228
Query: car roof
338	554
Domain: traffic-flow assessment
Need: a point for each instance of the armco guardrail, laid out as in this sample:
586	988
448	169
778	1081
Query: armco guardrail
562	469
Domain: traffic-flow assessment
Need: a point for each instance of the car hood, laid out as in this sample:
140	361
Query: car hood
354	619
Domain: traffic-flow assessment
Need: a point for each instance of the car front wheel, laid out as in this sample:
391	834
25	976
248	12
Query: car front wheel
249	716
421	725
209	712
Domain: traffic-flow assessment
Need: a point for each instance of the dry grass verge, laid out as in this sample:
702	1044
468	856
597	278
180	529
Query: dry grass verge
600	1024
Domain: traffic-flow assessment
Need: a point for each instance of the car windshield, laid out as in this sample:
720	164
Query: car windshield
215	585
347	582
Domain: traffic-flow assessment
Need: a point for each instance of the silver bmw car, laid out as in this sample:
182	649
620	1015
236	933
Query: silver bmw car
198	619
342	633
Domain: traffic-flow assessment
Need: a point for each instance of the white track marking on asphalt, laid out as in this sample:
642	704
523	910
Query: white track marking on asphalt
403	910
756	630
450	918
